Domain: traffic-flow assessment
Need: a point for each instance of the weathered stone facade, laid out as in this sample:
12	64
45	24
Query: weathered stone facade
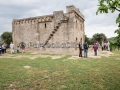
52	29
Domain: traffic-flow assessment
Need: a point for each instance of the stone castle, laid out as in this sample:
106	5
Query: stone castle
46	32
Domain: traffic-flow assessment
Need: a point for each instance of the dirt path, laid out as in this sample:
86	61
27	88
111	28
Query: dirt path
38	54
91	54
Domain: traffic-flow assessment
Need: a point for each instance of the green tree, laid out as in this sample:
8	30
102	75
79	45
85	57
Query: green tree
111	5
115	42
0	39
86	39
99	37
7	37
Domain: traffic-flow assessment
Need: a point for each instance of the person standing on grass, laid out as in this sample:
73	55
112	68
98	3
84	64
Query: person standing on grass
98	45
86	50
0	50
11	48
102	46
5	46
105	46
108	46
95	47
80	49
3	49
23	47
18	49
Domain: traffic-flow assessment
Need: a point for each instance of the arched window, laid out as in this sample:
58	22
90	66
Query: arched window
76	43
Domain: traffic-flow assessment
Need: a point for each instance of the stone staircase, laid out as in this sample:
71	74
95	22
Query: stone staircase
56	27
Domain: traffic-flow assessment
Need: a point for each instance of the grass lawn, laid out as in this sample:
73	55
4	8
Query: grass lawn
60	74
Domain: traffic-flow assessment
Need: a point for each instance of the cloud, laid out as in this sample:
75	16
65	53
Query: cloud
10	9
108	31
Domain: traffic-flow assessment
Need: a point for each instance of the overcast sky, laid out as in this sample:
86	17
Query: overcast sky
102	23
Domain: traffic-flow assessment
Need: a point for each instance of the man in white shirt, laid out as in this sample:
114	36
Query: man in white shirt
11	48
3	49
108	46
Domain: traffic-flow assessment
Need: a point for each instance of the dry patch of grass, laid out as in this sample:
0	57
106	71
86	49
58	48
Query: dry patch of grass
34	55
31	56
27	67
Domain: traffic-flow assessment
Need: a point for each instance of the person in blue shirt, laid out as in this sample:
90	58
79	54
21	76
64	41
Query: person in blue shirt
85	49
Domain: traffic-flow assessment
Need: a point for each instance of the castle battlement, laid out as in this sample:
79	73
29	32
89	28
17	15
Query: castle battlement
40	19
72	8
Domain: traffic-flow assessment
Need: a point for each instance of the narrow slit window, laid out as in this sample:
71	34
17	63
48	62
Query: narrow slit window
76	23
45	25
81	40
81	26
76	40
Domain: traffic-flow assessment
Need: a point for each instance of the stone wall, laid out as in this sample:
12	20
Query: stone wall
57	28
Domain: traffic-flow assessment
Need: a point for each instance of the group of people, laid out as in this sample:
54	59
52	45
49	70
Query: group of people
2	49
85	46
17	49
105	46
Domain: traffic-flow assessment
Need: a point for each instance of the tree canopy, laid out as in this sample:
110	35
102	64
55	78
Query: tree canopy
7	37
87	39
99	37
109	5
